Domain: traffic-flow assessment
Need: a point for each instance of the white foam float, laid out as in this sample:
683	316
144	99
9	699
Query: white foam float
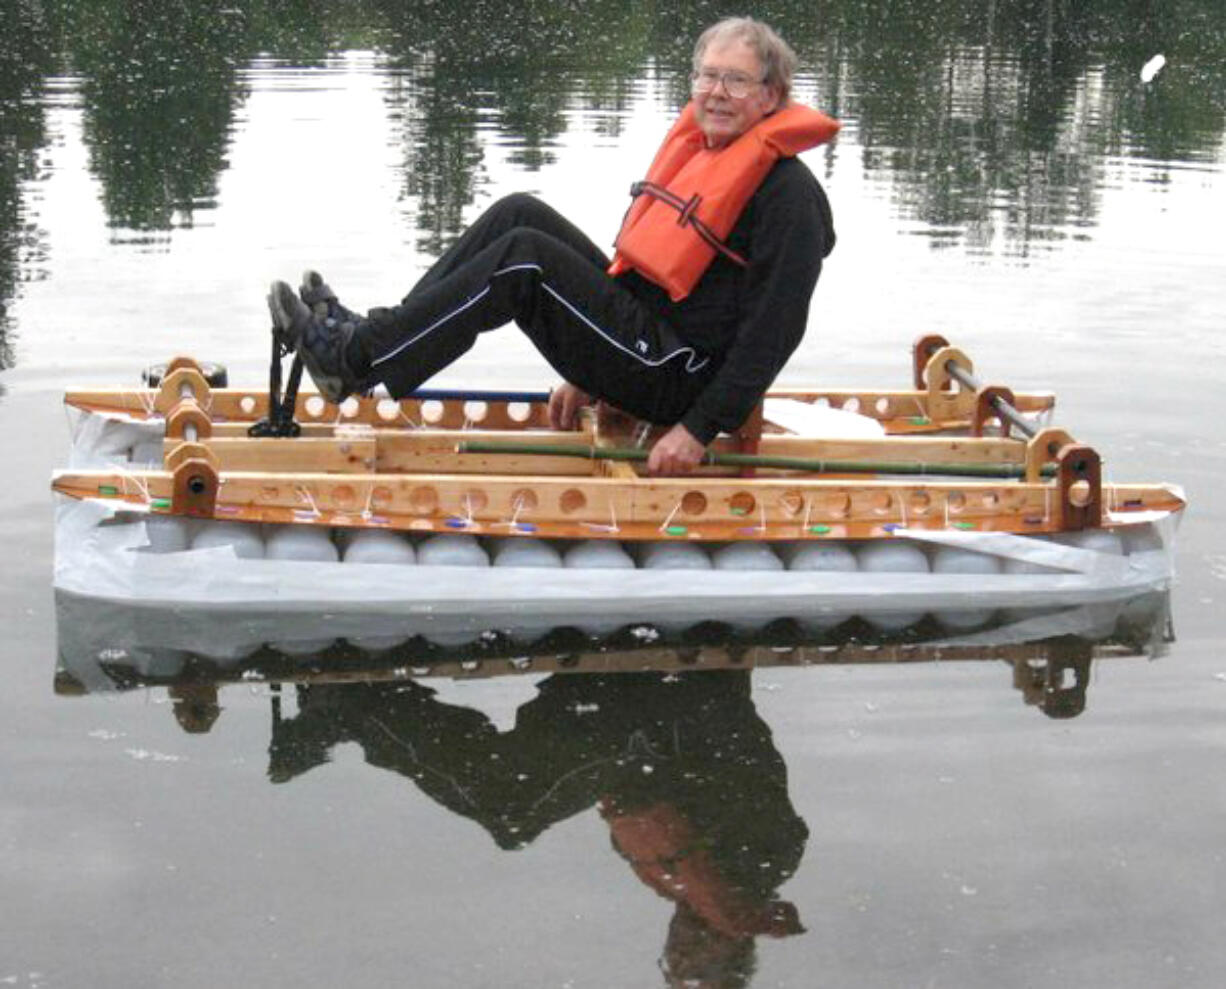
168	534
951	559
378	546
893	556
95	558
513	552
673	556
381	548
244	539
598	554
452	549
300	542
824	557
746	556
306	544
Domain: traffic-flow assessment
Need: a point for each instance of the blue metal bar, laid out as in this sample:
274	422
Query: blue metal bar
470	395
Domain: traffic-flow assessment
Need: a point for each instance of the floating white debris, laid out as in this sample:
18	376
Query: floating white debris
142	755
105	735
1152	67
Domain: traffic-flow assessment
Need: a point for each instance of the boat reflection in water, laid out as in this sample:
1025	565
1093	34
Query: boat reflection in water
657	731
107	646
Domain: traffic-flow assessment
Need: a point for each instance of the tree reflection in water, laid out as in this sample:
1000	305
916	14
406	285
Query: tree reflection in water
993	128
680	766
25	61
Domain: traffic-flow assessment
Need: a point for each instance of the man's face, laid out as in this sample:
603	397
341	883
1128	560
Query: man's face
721	116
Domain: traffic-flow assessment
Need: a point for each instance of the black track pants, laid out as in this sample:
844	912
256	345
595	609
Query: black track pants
524	262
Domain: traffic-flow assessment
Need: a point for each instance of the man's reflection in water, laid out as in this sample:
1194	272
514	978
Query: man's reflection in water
681	767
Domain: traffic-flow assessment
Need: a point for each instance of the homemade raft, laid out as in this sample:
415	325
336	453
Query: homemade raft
953	497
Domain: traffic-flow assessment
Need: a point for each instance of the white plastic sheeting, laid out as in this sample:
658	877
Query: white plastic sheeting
102	554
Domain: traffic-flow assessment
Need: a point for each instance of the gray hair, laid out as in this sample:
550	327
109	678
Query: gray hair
777	58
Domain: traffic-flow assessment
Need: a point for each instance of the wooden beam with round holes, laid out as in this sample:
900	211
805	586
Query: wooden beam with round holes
899	411
600	507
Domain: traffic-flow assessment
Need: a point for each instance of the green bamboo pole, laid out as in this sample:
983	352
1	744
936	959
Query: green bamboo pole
807	464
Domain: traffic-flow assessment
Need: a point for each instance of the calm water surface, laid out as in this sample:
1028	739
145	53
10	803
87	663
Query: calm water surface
1004	177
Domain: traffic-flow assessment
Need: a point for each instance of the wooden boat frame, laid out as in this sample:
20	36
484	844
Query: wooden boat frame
383	463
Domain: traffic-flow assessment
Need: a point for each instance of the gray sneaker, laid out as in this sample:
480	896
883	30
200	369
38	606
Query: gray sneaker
319	342
318	295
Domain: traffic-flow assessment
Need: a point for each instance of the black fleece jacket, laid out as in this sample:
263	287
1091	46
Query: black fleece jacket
750	320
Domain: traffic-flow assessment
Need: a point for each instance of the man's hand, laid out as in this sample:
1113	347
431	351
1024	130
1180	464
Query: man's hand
565	401
676	452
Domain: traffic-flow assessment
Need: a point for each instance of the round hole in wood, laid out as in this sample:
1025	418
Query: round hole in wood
883	406
432	411
523	500
270	493
792	503
423	500
742	503
519	411
350	407
387	409
474	500
955	501
919	503
837	504
693	503
314	406
1014	500
475	411
852	404
572	500
990	500
247	404
344	497
1079	493
882	502
380	497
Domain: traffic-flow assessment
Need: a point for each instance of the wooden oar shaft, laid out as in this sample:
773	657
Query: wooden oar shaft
808	464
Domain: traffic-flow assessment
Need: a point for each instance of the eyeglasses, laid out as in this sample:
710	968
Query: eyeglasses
736	84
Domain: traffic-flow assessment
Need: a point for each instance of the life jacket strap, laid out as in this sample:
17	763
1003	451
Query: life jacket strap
687	216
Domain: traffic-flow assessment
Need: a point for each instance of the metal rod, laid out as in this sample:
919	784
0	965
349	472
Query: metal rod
808	464
1003	408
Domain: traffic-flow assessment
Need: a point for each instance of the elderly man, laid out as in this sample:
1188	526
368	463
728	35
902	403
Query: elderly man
704	300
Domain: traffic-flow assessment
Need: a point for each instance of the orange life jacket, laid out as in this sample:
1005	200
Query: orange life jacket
693	194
